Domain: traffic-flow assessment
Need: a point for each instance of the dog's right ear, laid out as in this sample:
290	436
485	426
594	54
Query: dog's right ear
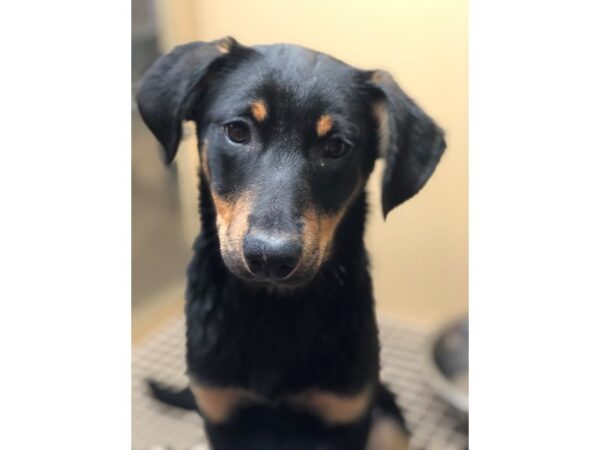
409	140
173	83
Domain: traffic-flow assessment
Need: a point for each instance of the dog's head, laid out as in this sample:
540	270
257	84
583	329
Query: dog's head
287	140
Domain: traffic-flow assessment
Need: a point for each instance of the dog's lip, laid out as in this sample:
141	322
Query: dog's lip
286	283
295	280
277	289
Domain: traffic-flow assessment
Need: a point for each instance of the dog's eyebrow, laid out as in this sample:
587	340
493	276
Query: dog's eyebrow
324	125
338	126
259	110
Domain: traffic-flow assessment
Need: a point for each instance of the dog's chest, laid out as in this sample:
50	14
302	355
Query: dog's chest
279	358
275	348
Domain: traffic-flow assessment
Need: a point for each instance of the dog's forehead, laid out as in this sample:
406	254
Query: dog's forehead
293	60
292	77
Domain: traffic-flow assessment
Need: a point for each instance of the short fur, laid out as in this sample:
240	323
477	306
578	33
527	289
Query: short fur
315	329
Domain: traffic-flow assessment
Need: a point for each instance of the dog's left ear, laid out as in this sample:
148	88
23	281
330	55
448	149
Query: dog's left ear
409	140
172	85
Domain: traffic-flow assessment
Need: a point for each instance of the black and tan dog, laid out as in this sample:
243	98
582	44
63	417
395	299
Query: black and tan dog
282	345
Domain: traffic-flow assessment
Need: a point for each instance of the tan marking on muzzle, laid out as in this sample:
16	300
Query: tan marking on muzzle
224	209
218	403
259	110
319	231
334	408
320	228
232	222
324	125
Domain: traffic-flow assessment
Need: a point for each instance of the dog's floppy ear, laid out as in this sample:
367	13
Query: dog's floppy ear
171	85
409	140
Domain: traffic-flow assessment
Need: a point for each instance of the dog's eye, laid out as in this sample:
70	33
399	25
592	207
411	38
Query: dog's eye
335	148
238	132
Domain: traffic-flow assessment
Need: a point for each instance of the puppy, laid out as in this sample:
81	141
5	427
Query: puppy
282	345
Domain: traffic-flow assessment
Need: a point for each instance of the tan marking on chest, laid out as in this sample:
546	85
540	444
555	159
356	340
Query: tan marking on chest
217	404
324	125
333	408
259	110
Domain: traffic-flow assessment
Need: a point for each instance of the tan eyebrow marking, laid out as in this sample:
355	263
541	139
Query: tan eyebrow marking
324	125
259	110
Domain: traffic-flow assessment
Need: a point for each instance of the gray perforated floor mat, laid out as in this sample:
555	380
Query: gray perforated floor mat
161	356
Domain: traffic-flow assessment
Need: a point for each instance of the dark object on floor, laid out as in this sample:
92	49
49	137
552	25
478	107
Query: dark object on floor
448	364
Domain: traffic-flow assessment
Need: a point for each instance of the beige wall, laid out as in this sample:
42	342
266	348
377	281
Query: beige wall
419	255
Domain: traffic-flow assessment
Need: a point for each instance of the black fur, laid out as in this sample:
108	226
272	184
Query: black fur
319	332
415	146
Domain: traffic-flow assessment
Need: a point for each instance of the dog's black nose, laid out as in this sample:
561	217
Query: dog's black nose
271	257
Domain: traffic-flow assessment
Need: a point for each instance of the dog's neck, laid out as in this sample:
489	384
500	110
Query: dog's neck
347	262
